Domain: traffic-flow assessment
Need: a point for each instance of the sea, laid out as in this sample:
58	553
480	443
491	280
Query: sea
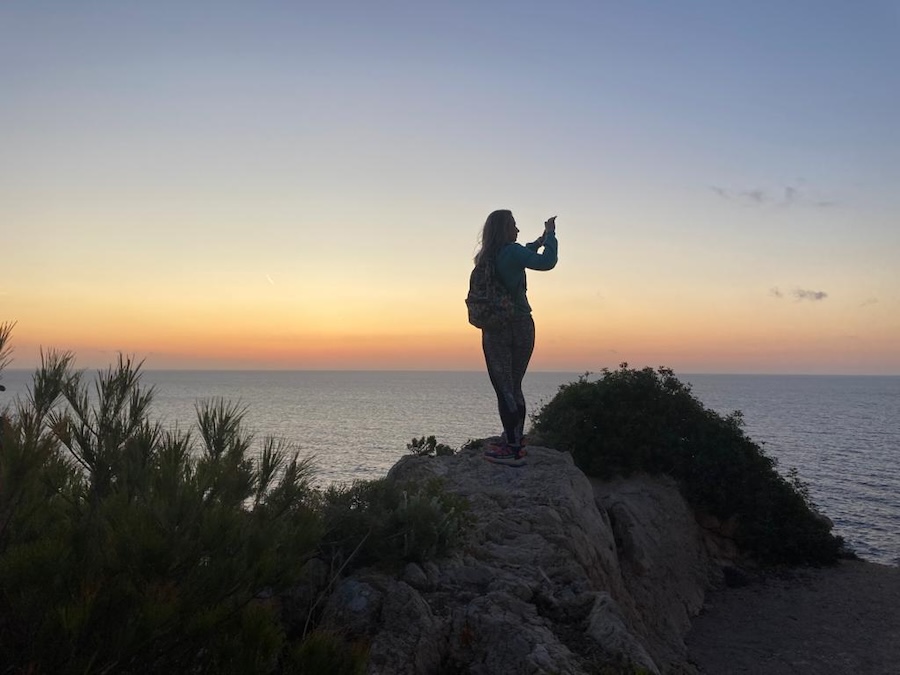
841	433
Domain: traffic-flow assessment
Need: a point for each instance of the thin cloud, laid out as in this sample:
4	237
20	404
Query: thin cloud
869	301
803	294
785	196
755	196
799	294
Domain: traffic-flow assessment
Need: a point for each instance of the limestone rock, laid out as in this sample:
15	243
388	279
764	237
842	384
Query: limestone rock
662	555
410	639
355	606
557	575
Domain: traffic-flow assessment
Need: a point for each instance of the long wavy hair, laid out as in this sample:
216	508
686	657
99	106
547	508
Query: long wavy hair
494	235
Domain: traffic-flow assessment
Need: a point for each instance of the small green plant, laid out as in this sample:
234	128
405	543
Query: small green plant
388	523
428	447
647	420
326	652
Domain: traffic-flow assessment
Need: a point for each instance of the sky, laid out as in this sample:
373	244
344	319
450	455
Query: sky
301	185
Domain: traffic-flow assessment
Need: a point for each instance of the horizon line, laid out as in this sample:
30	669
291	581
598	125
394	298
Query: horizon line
579	372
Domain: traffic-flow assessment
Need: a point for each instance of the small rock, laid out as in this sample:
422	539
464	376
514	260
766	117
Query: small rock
355	606
415	576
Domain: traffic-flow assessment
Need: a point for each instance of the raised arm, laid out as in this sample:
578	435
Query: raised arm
528	255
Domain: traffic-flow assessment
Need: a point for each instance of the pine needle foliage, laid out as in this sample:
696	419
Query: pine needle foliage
645	420
126	548
6	330
129	548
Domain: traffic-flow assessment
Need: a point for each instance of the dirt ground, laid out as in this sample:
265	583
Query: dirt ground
843	620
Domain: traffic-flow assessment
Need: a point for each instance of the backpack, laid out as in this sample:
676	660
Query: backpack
490	305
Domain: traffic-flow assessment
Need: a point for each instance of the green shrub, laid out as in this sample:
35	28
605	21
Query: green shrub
389	523
128	548
428	447
632	420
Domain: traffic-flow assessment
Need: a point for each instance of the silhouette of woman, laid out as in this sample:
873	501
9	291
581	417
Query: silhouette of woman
508	348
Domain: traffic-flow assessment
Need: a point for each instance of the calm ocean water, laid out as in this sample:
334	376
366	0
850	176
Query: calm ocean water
842	433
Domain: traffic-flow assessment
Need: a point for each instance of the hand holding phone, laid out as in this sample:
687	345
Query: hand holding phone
550	224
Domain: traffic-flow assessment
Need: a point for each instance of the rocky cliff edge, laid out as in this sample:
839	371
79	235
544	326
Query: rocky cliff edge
559	574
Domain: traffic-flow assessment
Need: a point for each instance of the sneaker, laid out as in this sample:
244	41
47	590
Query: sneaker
508	455
523	442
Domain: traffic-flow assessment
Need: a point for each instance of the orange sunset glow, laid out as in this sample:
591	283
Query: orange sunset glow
312	198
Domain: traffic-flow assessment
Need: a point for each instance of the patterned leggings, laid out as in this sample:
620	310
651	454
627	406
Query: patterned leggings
507	351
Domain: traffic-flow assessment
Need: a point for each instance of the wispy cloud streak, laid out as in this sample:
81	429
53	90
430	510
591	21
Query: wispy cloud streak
803	294
784	196
799	294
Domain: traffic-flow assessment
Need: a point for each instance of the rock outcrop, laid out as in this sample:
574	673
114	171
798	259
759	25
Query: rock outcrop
560	574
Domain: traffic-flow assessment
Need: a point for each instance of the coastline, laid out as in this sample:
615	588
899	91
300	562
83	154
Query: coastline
817	621
842	439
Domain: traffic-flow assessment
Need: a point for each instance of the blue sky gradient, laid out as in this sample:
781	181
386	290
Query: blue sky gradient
724	175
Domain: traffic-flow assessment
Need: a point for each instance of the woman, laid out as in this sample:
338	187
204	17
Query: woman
508	348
